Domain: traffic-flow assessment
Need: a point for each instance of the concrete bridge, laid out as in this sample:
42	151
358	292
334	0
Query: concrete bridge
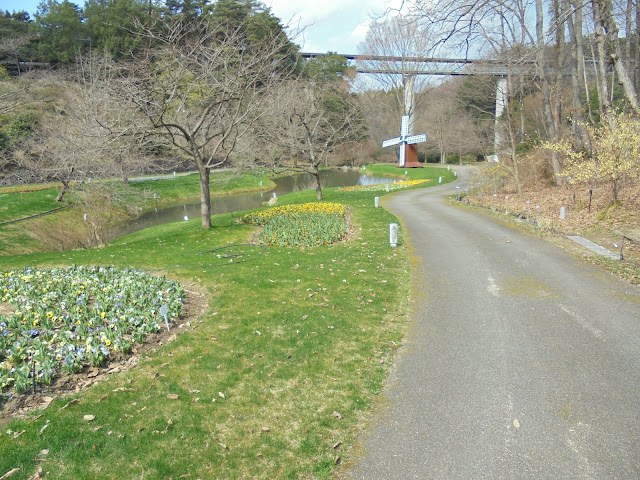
410	67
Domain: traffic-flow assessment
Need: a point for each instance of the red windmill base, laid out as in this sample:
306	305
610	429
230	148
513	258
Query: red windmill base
411	157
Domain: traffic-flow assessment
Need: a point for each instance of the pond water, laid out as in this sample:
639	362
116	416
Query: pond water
234	203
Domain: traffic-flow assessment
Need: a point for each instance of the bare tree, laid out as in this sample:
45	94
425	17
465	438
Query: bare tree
311	116
201	89
398	42
121	144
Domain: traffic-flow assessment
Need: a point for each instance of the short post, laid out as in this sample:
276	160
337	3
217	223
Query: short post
376	201
458	193
619	247
393	234
439	179
563	213
387	187
174	174
274	195
164	310
85	217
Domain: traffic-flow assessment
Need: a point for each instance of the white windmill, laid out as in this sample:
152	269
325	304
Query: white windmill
408	156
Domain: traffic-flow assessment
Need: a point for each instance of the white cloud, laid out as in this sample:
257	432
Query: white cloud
331	25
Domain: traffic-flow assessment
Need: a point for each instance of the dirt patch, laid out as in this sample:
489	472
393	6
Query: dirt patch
6	309
195	302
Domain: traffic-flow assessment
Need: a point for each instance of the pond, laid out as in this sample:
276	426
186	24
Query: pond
234	203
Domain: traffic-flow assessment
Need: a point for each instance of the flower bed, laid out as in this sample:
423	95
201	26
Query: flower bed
61	320
384	187
301	225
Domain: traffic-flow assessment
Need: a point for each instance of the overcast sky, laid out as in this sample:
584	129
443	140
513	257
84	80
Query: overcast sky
331	25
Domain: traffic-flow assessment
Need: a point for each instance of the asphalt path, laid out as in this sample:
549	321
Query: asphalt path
522	361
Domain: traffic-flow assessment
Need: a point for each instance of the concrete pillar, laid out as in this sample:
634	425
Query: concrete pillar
409	83
502	93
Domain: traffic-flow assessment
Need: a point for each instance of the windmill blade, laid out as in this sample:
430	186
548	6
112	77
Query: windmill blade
391	142
402	156
404	128
416	139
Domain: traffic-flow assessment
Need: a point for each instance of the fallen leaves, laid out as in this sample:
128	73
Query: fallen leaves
72	402
10	473
173	396
123	389
46	425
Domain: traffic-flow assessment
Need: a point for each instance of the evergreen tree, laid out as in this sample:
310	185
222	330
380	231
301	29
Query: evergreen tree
112	25
61	31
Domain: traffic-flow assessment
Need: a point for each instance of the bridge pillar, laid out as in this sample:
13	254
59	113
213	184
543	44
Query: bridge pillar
408	85
502	92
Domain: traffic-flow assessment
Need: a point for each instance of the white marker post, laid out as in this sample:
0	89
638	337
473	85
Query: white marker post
393	234
164	310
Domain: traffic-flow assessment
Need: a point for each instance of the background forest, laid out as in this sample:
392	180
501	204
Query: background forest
121	87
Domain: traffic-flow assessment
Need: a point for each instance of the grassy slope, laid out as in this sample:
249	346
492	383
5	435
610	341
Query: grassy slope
14	238
188	187
290	337
19	205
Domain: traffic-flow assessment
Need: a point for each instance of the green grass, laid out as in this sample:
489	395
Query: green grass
431	173
20	205
186	187
183	187
289	337
14	238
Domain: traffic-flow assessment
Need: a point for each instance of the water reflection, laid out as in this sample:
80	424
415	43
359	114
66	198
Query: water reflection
234	203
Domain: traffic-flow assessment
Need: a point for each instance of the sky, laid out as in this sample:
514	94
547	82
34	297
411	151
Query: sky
329	25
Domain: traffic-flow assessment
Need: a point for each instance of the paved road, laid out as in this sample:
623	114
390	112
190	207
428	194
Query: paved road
522	362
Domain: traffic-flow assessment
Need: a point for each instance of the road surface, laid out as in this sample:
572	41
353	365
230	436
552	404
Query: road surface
522	362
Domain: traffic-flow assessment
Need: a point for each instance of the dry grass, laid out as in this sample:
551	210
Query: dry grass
591	215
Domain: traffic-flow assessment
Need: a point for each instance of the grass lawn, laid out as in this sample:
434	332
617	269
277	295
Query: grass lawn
272	381
187	187
428	172
23	204
14	238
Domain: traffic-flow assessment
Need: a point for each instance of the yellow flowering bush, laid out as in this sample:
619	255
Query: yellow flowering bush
301	225
615	157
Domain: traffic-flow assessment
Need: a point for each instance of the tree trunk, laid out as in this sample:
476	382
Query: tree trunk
616	56
316	175
546	90
574	22
603	87
512	137
63	190
636	40
205	195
